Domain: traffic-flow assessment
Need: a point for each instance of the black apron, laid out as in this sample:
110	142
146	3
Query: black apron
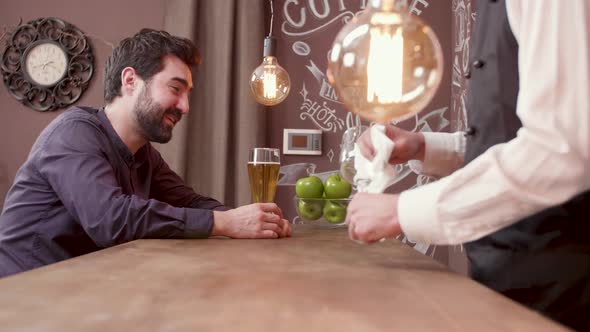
542	261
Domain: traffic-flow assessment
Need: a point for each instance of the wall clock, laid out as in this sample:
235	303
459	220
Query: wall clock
47	64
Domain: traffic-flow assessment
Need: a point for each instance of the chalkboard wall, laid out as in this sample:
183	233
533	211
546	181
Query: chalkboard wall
305	30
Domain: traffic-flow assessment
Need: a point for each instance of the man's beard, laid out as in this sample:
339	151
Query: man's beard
150	117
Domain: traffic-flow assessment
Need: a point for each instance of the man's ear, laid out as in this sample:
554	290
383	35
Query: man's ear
129	81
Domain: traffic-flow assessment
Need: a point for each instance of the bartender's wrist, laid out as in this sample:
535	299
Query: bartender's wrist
395	227
421	152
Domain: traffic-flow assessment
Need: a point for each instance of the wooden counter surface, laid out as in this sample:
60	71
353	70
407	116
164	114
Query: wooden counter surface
318	280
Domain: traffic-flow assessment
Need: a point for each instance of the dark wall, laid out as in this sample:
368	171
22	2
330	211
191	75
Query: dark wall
105	22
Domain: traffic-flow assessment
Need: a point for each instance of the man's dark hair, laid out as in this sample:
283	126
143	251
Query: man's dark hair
144	53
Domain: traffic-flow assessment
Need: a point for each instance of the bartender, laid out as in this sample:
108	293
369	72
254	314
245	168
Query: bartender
520	201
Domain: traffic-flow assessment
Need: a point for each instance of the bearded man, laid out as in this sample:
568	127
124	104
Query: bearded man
92	179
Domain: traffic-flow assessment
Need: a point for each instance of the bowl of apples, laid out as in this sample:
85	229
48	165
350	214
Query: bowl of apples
323	204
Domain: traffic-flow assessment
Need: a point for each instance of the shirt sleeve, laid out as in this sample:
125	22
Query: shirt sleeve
443	154
547	163
168	187
79	172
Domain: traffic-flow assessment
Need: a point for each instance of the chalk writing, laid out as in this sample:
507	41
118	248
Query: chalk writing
296	14
317	73
289	174
436	118
352	120
301	48
418	3
330	155
463	17
344	17
326	90
322	115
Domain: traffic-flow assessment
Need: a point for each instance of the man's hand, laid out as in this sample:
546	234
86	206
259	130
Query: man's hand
408	145
372	217
254	221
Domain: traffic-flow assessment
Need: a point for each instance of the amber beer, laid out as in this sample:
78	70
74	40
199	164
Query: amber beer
263	171
263	181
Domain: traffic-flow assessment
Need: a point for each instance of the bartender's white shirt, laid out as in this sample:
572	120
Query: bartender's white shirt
546	164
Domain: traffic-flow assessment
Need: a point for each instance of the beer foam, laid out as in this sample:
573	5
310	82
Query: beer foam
263	163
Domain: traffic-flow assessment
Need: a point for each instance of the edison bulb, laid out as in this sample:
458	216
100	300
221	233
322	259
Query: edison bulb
270	83
385	64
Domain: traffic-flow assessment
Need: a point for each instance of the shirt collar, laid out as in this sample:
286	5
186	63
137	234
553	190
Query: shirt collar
122	149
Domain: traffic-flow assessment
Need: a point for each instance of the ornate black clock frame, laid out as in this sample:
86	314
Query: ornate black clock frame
78	71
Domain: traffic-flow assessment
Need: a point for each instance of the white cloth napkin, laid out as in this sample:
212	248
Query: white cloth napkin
376	175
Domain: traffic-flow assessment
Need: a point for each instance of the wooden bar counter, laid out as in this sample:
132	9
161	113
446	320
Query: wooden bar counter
318	280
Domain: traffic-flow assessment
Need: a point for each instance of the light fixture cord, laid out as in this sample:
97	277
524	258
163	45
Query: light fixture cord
272	15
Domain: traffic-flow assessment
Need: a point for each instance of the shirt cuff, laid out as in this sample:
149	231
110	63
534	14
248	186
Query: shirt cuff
198	223
443	154
418	214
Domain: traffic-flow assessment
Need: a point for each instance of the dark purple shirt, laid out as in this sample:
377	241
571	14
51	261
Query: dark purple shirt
82	190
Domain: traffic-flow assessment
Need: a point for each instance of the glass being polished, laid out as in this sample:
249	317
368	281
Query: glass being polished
92	179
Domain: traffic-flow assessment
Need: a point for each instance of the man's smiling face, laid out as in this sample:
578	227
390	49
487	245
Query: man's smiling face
163	100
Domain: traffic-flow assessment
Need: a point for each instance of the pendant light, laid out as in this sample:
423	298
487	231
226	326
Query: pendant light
270	83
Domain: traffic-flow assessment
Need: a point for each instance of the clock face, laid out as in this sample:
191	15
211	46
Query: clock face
46	63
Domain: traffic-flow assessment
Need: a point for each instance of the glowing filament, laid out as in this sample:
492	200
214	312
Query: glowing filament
385	66
269	83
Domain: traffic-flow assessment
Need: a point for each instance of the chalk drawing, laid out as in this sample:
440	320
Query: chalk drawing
330	155
343	17
304	20
320	114
301	48
464	17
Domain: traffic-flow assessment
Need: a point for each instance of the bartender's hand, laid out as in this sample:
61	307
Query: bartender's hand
254	221
372	217
408	145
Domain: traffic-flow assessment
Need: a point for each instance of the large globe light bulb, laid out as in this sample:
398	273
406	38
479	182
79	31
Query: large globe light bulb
270	83
385	64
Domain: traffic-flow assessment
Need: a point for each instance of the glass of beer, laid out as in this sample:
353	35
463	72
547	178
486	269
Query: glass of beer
263	171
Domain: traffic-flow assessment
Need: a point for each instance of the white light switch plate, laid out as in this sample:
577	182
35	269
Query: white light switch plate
302	141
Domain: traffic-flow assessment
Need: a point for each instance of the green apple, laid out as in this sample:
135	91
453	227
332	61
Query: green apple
337	187
334	212
309	187
310	209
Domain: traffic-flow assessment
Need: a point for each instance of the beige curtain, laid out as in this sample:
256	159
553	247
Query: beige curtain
210	146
